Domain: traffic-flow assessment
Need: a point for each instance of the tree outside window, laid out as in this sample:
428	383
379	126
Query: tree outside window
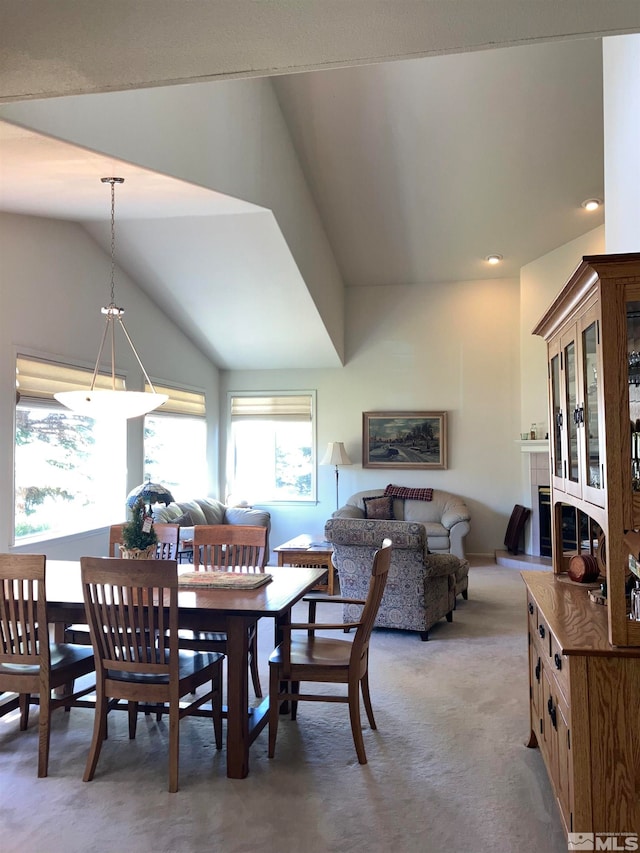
65	477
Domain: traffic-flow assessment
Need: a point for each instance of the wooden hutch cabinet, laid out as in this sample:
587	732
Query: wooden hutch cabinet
584	658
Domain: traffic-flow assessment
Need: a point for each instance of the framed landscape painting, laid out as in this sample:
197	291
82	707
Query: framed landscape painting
404	439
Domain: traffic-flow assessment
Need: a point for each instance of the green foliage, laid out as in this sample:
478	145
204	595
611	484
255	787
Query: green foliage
133	534
34	496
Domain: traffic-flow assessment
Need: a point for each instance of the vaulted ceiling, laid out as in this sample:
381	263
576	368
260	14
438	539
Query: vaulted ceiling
417	168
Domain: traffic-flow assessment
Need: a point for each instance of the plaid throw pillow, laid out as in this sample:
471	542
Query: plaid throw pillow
408	494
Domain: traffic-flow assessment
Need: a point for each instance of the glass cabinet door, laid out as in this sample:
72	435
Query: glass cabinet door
556	415
590	414
571	408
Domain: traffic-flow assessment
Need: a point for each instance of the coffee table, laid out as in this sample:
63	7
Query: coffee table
309	552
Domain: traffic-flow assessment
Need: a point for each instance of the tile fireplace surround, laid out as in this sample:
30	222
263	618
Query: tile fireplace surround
538	475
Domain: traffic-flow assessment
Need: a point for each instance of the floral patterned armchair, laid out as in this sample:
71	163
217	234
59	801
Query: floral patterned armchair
421	587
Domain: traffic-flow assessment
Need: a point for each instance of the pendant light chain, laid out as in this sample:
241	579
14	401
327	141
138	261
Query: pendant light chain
113	403
113	182
113	239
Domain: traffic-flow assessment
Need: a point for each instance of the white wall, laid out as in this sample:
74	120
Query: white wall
621	75
53	281
540	283
452	347
229	136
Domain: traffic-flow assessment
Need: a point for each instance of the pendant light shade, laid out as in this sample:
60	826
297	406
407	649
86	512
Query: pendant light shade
112	403
102	403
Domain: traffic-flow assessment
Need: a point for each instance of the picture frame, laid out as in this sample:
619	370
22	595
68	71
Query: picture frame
404	440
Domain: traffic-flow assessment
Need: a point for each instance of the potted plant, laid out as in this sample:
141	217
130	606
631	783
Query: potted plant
139	538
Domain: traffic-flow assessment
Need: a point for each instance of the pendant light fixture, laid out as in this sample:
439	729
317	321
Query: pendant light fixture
111	402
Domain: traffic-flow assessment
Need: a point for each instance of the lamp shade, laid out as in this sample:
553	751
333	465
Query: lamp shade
102	403
336	454
151	493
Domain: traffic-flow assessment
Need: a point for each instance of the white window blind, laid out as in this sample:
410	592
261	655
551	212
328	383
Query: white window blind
38	379
286	407
180	402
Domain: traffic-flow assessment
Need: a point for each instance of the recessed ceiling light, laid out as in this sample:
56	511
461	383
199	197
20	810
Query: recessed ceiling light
493	259
592	203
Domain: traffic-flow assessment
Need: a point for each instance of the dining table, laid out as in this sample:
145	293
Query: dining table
233	611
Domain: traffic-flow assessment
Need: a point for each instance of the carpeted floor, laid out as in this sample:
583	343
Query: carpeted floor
448	769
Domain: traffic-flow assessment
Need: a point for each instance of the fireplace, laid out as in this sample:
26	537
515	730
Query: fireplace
538	536
544	516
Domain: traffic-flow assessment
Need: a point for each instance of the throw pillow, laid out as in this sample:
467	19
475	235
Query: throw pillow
183	520
380	508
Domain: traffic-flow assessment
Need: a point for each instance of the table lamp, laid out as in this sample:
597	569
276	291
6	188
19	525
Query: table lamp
336	455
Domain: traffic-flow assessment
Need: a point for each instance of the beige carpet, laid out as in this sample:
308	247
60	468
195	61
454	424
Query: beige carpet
448	769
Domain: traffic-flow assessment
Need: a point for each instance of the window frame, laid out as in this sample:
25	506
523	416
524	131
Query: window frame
311	393
45	400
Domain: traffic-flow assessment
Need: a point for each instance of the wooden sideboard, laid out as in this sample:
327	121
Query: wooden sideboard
584	707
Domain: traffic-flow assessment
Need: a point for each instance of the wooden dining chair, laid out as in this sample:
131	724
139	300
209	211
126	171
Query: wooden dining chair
227	547
167	549
168	540
29	663
128	667
309	657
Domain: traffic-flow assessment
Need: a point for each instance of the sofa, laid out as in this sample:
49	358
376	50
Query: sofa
444	516
421	586
208	511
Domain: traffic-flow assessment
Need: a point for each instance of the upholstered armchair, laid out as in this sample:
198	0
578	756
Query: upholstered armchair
421	588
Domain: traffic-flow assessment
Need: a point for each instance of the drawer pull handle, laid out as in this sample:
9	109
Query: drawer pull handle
541	631
531	608
552	712
557	660
537	670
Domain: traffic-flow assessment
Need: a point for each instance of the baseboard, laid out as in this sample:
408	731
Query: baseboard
524	562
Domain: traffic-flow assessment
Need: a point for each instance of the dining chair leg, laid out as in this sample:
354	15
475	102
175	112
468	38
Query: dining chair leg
44	733
216	708
366	698
274	707
132	710
99	734
174	744
24	700
356	725
295	688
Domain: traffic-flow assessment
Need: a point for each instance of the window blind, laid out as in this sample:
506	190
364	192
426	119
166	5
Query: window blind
40	380
180	402
281	407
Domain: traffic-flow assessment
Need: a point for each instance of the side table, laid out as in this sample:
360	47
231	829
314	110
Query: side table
308	552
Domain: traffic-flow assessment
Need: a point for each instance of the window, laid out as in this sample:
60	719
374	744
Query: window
175	444
272	447
70	470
